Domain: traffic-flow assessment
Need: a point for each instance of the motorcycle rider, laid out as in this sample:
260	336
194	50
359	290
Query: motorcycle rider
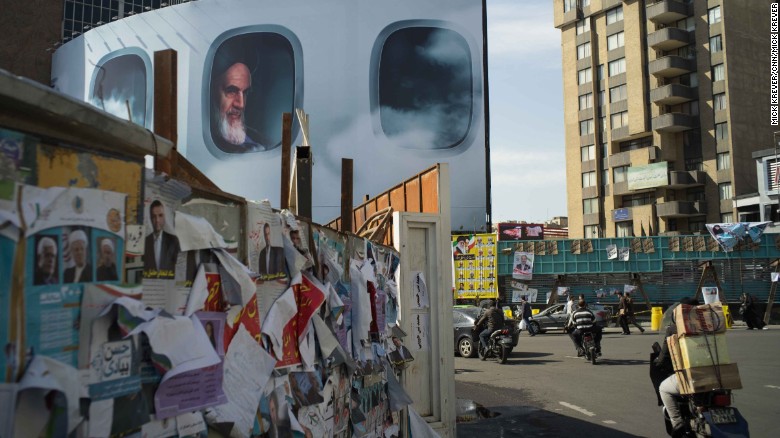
667	390
495	320
583	320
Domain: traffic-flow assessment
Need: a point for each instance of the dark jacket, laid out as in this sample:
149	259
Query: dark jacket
494	318
169	249
70	274
525	310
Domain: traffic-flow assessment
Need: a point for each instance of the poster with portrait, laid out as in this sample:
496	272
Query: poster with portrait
523	265
520	231
162	197
729	235
69	232
265	246
475	264
710	294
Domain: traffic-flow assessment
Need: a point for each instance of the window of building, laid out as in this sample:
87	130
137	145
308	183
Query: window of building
617	66
724	191
616	14
727	218
718	72
602	97
618	120
605	177
588	179
586	127
619	174
688	24
616	40
586	101
696	226
600	72
638	199
590	205
691	80
713	15
583	26
723	161
721	131
568	5
588	152
624	229
584	76
583	50
603	123
618	93
716	44
691	108
585	3
591	231
719	101
639	143
694	195
604	149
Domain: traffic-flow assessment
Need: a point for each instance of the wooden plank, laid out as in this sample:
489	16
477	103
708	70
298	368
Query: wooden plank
383	201
397	198
429	189
346	195
165	104
413	202
360	217
286	148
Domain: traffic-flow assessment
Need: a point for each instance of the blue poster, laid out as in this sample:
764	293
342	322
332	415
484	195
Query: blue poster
7	359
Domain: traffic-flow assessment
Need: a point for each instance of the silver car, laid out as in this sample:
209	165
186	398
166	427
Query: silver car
555	317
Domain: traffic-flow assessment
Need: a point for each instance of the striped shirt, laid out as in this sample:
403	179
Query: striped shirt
582	319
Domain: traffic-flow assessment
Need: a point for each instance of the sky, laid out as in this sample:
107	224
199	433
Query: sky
526	111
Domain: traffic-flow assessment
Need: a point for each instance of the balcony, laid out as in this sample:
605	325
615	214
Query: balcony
681	209
668	38
672	94
635	157
571	16
671	66
673	122
666	11
681	180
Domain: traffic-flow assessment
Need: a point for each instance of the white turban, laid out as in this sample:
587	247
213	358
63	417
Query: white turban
44	242
108	243
78	235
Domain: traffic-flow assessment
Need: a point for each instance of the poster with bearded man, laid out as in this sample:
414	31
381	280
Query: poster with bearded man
252	83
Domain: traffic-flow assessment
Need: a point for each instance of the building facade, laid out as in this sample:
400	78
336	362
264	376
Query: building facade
664	103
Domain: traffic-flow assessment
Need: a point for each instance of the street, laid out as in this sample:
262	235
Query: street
544	390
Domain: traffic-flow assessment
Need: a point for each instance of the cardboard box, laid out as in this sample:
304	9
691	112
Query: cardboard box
673	344
703	379
697	320
702	351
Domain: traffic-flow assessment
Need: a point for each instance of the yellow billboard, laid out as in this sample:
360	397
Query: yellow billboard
475	264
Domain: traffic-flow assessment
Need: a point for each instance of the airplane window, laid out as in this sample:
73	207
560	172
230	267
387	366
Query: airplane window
425	88
119	87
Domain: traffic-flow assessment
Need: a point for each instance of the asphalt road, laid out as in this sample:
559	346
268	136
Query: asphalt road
544	390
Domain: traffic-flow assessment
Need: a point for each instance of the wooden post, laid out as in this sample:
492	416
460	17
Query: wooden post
771	299
304	180
284	199
636	280
346	195
709	269
165	105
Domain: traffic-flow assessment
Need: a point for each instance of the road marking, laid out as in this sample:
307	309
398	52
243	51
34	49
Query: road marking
773	386
609	422
578	409
573	357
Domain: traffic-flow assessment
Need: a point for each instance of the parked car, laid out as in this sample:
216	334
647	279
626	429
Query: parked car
466	342
555	317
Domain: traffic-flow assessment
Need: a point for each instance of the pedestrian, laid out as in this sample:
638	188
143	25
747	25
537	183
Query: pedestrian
623	314
570	305
525	314
749	313
630	312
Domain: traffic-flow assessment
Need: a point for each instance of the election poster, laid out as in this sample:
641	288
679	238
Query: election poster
475	265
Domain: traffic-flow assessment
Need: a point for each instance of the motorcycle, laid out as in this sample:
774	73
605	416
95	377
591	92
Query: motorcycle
706	414
589	347
499	345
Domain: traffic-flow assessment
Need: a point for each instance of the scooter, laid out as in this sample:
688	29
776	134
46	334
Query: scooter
706	414
499	345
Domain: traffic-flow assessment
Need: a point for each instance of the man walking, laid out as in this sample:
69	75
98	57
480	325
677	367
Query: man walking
630	313
525	314
623	314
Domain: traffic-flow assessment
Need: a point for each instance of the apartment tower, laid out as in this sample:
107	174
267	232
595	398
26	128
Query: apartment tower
664	103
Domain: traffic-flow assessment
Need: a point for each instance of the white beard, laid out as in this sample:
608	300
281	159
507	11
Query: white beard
234	134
